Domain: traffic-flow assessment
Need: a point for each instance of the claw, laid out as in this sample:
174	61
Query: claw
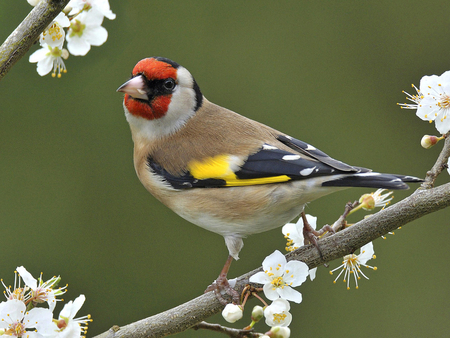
311	235
222	284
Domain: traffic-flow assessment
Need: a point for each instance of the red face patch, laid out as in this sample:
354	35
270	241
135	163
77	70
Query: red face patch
157	109
154	69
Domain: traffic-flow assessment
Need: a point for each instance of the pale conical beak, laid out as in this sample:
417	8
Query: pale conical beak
135	88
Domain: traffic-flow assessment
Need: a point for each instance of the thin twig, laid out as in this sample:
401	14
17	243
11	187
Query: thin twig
441	164
26	34
233	333
340	222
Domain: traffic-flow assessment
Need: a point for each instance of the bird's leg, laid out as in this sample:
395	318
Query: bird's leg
221	283
310	235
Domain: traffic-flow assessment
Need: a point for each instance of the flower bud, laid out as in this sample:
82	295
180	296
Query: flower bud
257	313
279	332
367	202
232	313
429	140
33	2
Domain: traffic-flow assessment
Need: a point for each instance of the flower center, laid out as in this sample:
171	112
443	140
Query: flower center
17	329
279	317
40	295
18	294
54	33
444	102
278	282
61	324
351	261
77	28
56	52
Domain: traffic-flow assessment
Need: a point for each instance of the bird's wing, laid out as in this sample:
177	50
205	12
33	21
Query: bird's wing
269	164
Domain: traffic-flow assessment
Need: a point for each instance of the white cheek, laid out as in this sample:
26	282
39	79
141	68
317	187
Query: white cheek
180	109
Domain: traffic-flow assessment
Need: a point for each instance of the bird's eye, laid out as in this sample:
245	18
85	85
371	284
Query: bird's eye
169	84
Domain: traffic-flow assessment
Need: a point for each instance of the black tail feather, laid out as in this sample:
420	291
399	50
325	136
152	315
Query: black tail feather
373	180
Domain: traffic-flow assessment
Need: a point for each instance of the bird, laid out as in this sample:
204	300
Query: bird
220	170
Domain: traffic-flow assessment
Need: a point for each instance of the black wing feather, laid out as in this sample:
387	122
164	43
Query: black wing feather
319	155
269	162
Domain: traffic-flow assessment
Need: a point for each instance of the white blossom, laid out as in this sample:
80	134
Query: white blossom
277	313
86	30
102	6
41	291
279	277
16	321
432	101
49	58
351	265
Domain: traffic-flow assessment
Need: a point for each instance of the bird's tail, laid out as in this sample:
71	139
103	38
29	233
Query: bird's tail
373	180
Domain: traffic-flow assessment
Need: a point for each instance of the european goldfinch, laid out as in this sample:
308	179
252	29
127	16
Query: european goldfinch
220	170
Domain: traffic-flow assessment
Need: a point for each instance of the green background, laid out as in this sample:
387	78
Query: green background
327	72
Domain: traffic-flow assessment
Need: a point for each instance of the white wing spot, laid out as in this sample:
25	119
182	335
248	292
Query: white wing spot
310	147
269	147
307	171
368	174
291	157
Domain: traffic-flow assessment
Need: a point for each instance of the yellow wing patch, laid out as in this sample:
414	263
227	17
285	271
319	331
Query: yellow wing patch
211	167
221	167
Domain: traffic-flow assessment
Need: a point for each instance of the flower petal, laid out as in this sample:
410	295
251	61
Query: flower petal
44	66
96	35
270	292
290	294
312	273
443	121
366	254
295	273
77	304
275	263
77	45
62	19
12	309
27	277
39	55
38	316
260	278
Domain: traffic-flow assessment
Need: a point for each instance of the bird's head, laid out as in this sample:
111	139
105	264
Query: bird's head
160	97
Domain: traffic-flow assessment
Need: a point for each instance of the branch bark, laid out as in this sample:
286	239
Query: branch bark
27	33
440	164
182	317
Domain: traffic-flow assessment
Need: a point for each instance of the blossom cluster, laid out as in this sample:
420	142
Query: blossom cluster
22	316
432	101
83	20
279	277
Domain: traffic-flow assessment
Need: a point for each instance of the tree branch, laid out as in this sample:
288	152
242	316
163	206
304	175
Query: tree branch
182	317
440	164
27	33
233	333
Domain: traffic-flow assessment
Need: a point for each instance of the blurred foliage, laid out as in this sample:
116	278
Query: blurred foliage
329	73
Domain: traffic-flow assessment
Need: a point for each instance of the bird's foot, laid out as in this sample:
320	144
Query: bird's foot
221	286
311	235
